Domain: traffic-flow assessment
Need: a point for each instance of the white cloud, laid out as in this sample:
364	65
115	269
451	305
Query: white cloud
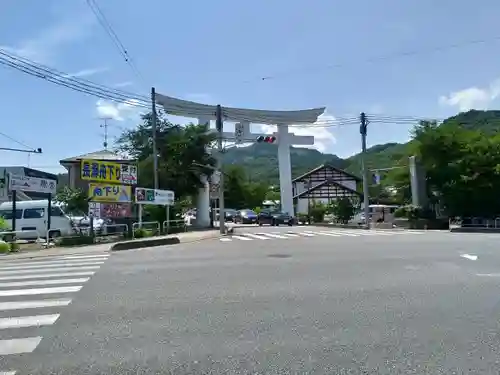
48	42
123	84
472	97
321	130
85	73
126	110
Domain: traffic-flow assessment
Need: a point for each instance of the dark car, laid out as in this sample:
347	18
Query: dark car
245	217
229	214
274	218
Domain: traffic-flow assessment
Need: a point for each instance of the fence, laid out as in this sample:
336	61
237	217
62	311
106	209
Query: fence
474	222
174	226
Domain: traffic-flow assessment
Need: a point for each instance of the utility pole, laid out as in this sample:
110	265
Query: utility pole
219	128
366	193
155	151
105	126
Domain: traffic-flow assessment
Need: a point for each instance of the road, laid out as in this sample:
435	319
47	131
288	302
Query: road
368	304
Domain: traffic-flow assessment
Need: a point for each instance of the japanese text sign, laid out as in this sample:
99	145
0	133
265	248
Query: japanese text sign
152	196
104	171
32	184
101	192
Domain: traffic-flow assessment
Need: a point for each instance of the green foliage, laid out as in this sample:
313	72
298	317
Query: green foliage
74	200
343	210
182	154
239	192
412	212
4	226
317	212
14	247
143	233
4	247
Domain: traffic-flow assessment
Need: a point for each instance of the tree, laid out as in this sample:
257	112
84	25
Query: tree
462	166
239	192
343	210
74	200
182	153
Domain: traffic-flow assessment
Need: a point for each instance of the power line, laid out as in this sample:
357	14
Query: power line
106	25
62	79
375	59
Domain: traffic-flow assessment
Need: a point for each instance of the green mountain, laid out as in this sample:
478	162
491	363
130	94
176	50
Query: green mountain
261	160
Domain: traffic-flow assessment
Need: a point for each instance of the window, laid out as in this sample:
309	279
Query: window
34	213
7	214
56	211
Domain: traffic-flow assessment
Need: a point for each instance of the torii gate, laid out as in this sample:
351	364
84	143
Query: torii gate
243	117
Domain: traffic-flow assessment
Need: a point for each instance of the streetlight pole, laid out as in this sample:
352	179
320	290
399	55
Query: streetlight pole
219	127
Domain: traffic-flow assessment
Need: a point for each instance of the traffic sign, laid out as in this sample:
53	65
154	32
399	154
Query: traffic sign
154	196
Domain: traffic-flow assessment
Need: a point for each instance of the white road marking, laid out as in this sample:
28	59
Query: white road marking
19	346
342	233
242	238
28	321
256	236
468	256
21	305
7	373
105	256
307	234
56	269
44	282
324	233
225	239
291	234
8	268
272	235
57	263
488	274
46	275
32	292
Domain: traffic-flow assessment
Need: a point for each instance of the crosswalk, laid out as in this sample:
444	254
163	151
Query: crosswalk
32	294
283	235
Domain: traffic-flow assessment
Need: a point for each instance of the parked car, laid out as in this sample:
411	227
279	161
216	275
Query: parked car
274	218
245	217
229	214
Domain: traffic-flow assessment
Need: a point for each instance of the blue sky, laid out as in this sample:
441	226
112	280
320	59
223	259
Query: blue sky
217	51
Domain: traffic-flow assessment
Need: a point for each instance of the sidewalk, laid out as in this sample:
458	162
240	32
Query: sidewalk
58	251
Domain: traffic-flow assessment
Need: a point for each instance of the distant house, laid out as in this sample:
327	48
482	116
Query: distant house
5	195
324	184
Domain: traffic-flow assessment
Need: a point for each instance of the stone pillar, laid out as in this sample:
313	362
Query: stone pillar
285	169
203	197
418	183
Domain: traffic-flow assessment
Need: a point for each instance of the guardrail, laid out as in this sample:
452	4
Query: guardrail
474	222
168	225
106	232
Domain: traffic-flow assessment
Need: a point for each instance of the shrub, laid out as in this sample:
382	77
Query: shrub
75	240
14	247
318	212
142	233
4	247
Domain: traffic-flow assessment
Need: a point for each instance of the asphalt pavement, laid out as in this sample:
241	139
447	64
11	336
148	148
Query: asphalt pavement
370	304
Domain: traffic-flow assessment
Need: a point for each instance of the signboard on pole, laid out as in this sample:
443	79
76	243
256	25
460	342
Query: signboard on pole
105	192
32	184
154	196
109	172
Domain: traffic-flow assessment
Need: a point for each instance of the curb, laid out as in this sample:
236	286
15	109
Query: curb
138	244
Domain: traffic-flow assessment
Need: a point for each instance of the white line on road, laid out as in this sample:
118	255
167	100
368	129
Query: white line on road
32	292
57	263
256	236
105	256
468	256
19	346
323	233
7	373
8	268
488	274
342	233
225	239
241	238
291	234
56	269
272	235
307	234
44	282
28	321
21	305
46	275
